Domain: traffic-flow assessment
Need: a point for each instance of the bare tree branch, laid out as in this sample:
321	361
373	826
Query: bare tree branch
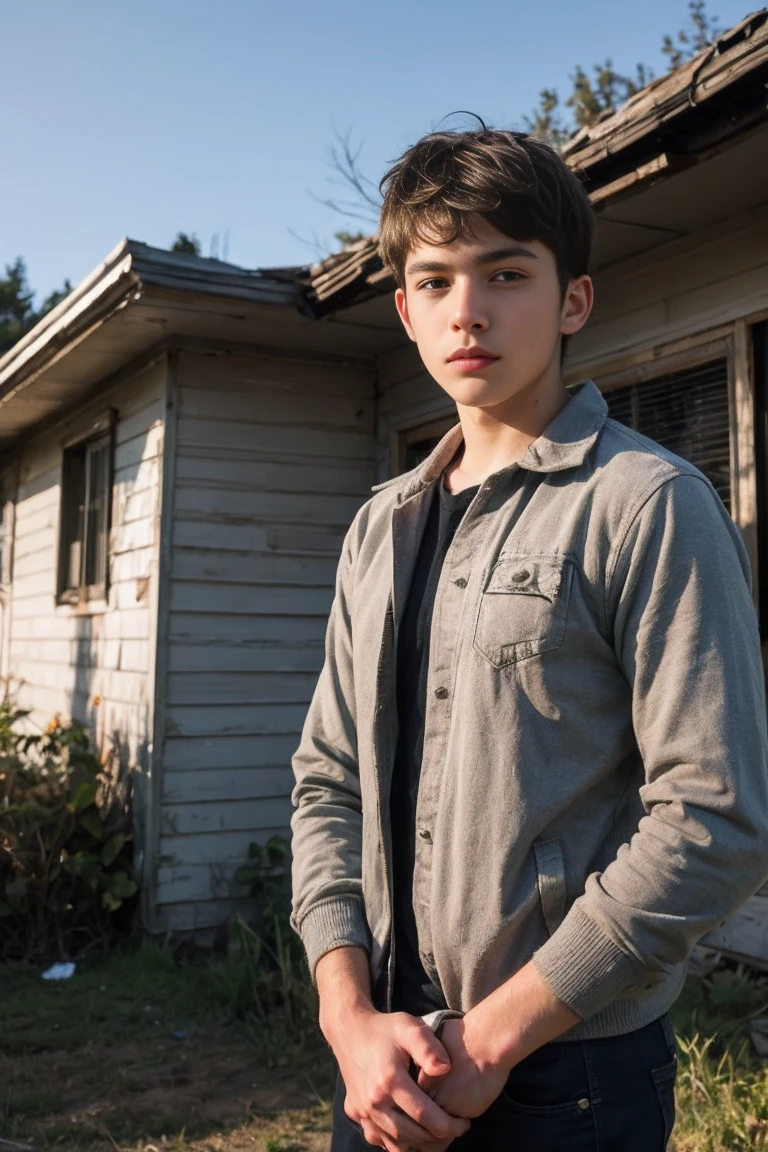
319	248
344	161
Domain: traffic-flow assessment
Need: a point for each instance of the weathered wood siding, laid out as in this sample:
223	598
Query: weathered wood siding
92	667
690	286
273	458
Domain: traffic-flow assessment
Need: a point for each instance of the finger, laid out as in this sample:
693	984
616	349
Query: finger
427	1083
400	1129
432	1121
425	1049
378	1139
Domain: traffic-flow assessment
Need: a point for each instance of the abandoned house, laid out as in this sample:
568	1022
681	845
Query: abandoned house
184	442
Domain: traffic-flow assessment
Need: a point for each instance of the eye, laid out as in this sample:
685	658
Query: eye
434	284
507	276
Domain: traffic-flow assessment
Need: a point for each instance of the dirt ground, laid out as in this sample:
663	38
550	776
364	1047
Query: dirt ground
179	1094
138	1054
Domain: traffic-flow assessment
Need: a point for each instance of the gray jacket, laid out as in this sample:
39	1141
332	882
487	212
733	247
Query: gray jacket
594	785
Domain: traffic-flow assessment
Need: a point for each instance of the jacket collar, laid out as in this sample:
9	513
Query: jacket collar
565	443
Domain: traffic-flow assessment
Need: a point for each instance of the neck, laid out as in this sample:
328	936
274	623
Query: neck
496	437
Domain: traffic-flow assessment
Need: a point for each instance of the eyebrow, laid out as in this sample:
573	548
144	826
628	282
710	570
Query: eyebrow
515	252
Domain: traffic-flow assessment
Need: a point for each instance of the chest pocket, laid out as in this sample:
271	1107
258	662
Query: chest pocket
524	607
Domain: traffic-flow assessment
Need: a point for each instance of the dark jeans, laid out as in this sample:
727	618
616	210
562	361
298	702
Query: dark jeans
612	1095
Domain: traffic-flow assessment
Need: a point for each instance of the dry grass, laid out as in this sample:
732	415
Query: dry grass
722	1085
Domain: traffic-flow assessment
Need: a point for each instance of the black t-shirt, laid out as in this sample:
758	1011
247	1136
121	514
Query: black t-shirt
414	992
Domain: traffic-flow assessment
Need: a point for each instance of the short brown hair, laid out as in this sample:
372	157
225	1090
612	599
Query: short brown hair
517	183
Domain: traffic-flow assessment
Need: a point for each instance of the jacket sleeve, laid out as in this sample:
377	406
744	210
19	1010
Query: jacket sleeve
686	638
327	821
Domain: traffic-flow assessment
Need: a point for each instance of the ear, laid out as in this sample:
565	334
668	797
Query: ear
402	310
577	305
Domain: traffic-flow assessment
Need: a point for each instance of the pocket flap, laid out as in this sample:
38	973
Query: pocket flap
528	575
551	870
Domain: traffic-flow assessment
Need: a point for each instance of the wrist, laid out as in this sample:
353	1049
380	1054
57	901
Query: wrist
516	1019
344	990
493	1041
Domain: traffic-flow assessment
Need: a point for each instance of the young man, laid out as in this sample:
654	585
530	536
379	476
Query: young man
535	770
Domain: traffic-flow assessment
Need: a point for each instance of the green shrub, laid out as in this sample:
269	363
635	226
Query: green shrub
65	851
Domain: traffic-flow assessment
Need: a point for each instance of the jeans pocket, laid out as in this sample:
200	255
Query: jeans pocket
550	1084
568	1110
664	1081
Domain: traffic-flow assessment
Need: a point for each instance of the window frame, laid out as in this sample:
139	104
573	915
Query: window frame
732	343
84	596
696	357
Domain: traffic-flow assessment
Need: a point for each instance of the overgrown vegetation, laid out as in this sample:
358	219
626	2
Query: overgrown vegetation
65	849
722	1084
267	980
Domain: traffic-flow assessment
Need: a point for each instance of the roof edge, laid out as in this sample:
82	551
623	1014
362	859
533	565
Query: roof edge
110	285
131	269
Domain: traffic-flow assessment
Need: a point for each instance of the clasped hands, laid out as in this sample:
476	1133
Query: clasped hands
454	1083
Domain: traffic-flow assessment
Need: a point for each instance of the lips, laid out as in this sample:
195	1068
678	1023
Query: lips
472	359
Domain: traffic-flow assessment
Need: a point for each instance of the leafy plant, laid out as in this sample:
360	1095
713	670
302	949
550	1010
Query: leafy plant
266	875
65	852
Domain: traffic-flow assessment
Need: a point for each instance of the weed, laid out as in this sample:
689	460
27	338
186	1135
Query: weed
31	1104
722	1086
267	982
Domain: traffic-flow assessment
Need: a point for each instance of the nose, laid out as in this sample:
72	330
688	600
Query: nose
468	314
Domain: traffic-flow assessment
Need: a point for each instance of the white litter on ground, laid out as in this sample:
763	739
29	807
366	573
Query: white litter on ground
61	971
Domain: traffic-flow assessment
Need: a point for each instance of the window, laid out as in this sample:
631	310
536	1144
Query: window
86	490
687	412
417	443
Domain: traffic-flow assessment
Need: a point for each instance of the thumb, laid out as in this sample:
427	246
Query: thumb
426	1051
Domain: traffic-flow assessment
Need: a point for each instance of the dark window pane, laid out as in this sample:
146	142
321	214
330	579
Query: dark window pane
97	513
86	491
73	519
418	450
686	412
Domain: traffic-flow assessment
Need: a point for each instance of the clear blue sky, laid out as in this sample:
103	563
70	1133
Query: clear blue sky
148	117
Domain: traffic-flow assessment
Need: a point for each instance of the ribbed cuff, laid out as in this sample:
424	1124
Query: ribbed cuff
335	923
585	968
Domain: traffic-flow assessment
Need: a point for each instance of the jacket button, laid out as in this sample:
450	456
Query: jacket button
518	577
425	834
441	693
461	582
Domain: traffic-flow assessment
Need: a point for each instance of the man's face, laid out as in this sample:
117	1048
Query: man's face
486	313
